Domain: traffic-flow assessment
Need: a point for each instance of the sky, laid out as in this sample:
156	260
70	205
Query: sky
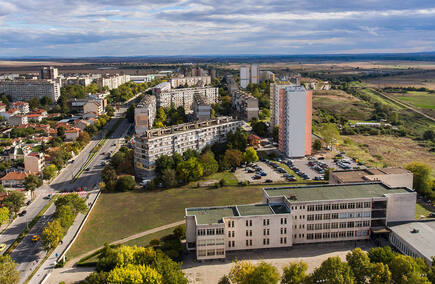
69	28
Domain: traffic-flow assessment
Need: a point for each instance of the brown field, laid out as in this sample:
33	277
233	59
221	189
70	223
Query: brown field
426	80
4	63
395	151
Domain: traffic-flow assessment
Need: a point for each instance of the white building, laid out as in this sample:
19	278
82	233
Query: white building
142	78
184	97
144	114
24	90
201	109
179	138
244	76
199	81
297	215
112	81
255	74
162	87
34	162
22	106
245	105
48	73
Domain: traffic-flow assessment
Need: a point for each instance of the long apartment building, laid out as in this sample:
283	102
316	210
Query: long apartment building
185	97
112	81
245	105
144	114
297	215
190	81
24	90
291	110
153	143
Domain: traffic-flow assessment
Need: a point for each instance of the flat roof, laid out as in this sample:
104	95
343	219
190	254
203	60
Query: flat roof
419	234
359	175
252	210
332	191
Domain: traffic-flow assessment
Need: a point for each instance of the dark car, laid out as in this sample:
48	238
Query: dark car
88	169
256	177
268	181
22	213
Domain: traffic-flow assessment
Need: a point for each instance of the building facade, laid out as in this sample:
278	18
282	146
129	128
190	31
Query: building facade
199	81
275	90
150	145
34	162
297	215
245	105
201	109
112	81
184	97
48	73
144	114
24	90
22	106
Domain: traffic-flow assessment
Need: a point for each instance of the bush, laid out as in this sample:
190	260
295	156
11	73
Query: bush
125	183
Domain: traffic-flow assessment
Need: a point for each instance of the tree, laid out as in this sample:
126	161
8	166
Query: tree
130	113
250	155
422	177
317	145
294	273
403	267
245	273
275	133
125	183
190	153
237	140
96	278
109	176
134	274
65	215
379	274
209	163
8	270
164	162
232	158
260	128
190	170
382	255
34	103
31	182
14	201
52	234
61	132
4	215
224	280
429	135
329	133
49	171
73	200
169	178
84	138
332	271
360	265
239	271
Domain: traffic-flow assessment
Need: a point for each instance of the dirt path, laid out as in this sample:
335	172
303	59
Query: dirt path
73	261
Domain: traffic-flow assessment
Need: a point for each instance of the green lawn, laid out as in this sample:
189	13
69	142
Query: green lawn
229	177
421	211
419	99
122	214
145	240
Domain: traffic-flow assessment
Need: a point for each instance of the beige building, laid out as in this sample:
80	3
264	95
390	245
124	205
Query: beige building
297	215
199	81
96	106
201	109
71	134
184	97
153	143
18	119
112	81
34	162
24	90
393	177
245	105
144	114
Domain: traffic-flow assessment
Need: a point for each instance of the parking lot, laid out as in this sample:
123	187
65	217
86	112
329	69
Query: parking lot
303	165
243	175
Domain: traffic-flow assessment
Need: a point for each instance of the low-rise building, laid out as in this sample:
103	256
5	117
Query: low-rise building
245	105
2	107
18	119
162	87
144	114
297	215
81	124
415	238
96	106
34	162
72	133
201	109
393	177
10	112
153	143
22	106
14	179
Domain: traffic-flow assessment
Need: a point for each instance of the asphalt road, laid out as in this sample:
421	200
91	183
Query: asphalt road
28	254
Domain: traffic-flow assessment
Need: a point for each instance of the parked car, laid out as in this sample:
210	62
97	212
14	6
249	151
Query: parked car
256	177
2	247
291	179
35	238
22	213
268	181
88	169
263	174
251	171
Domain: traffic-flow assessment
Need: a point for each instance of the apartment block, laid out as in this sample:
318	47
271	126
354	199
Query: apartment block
297	215
244	76
96	106
201	109
112	81
48	73
393	177
144	114
162	87
24	90
199	81
275	90
184	97
18	119
153	143
245	105
255	74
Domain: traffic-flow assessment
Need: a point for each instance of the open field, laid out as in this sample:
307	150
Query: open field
118	215
423	79
387	150
419	99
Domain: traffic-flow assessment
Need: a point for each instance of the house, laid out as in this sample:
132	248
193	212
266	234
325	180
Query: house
14	179
81	124
22	106
96	106
18	119
34	117
2	107
90	115
9	113
34	162
72	133
18	152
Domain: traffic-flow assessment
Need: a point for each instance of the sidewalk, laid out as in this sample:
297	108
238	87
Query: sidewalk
49	264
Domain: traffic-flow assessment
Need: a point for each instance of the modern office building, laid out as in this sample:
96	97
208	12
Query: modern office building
195	81
153	143
297	215
144	114
48	73
112	81
415	238
184	97
393	177
201	109
292	113
245	105
24	90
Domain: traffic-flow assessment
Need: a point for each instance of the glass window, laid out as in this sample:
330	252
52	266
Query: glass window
335	207
310	207
327	207
319	207
310	217
351	205
334	215
319	216
326	216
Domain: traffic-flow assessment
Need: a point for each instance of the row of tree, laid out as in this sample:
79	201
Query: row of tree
120	164
379	266
67	208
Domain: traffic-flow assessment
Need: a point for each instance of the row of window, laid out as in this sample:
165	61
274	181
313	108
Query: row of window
338	206
211	242
403	248
210	252
341	234
342	215
210	232
336	225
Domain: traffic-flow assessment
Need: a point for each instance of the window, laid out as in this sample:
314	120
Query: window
319	216
220	242
334	225
310	236
247	232
350	224
284	240
334	215
233	234
210	252
202	252
342	215
366	214
326	226
319	207
265	241
201	243
248	223
310	208
351	205
367	205
318	226
201	232
326	216
283	231
342	224
220	231
342	234
327	207
283	221
310	217
266	222
359	205
210	232
343	205
366	223
210	242
335	206
349	234
310	227
326	235
220	251
318	236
